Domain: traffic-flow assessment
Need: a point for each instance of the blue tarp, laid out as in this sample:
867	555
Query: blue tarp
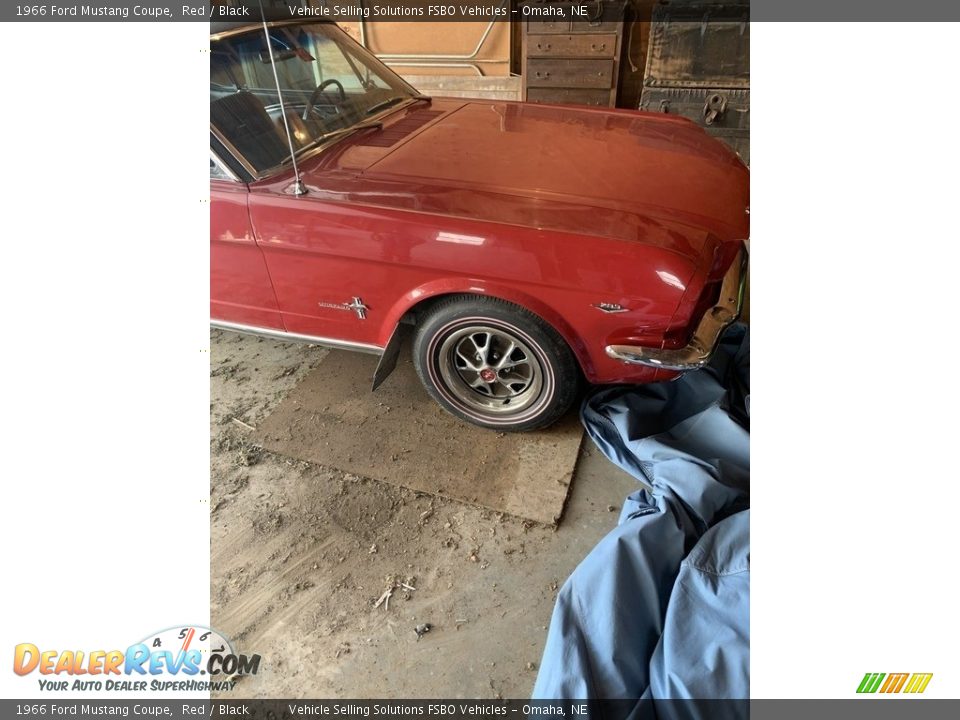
660	608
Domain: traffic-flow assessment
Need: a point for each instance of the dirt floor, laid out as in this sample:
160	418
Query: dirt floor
300	555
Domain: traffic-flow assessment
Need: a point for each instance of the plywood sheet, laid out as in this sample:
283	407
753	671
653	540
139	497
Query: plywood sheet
400	436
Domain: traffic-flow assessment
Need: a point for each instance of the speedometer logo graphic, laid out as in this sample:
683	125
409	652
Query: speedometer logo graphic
181	639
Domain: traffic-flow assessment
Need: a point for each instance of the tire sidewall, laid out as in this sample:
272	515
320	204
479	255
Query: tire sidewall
557	367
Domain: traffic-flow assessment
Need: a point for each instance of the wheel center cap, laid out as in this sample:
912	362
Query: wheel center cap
488	375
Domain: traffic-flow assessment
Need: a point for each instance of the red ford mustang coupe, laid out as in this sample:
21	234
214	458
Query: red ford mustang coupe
526	248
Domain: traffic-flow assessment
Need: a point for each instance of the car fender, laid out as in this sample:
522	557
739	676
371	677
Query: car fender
476	286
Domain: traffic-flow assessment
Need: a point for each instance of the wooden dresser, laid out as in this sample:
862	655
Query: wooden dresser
575	61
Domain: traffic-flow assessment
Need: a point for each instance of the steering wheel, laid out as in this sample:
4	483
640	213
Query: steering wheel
321	90
299	130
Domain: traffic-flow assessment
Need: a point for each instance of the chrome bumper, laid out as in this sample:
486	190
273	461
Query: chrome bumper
715	320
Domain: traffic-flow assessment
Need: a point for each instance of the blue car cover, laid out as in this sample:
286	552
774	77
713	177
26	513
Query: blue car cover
657	615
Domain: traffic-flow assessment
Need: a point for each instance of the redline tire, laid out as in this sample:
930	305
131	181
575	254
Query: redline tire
495	364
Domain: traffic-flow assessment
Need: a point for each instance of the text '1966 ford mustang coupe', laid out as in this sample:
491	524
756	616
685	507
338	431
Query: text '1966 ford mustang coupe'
525	248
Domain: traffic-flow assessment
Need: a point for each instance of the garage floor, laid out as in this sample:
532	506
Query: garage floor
301	553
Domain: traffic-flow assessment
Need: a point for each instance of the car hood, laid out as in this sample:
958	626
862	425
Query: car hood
625	161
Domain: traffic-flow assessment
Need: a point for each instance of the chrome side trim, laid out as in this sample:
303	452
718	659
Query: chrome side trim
699	350
296	337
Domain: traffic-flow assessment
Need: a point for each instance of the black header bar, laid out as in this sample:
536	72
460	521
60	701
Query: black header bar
588	11
187	709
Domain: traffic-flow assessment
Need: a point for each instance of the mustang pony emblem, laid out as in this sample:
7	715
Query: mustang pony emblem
356	305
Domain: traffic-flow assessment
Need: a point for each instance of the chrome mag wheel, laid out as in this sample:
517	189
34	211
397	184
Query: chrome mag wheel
494	364
490	369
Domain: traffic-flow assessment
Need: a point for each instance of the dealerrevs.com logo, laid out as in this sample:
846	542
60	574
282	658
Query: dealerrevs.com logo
890	683
182	659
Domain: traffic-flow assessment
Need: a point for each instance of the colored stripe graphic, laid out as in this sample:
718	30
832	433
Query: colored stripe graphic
870	682
918	682
894	682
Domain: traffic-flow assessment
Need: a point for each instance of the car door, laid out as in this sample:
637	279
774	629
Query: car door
241	292
327	264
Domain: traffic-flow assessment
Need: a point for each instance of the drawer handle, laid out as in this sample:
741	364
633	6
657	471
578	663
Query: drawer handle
543	47
593	46
543	75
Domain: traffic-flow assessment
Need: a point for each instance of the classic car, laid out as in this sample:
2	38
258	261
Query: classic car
525	249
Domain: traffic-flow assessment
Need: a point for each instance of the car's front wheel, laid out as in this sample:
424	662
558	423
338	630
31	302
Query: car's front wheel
495	364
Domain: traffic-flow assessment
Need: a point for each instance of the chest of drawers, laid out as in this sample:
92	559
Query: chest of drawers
573	61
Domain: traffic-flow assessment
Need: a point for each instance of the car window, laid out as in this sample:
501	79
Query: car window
216	173
332	63
328	83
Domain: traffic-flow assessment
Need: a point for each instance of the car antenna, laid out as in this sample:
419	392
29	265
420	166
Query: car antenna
298	187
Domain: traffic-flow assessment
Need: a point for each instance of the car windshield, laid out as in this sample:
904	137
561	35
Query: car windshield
329	84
